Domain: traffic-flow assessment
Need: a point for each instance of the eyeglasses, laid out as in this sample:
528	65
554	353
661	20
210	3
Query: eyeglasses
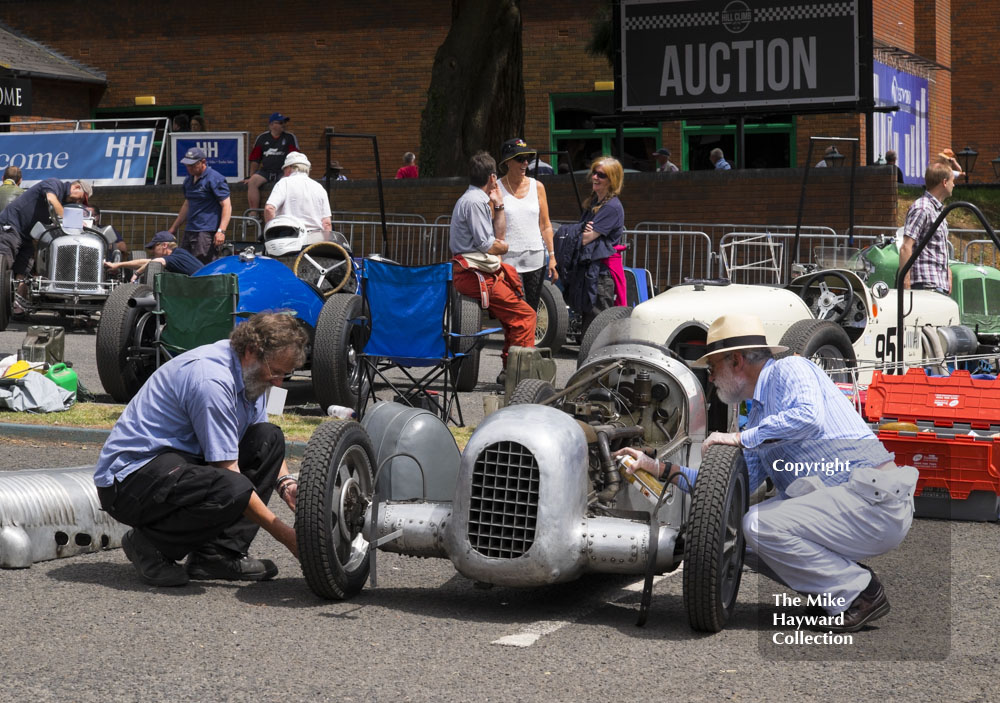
600	174
271	375
522	159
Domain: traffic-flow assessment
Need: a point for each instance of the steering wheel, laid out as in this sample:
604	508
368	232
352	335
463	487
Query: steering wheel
827	304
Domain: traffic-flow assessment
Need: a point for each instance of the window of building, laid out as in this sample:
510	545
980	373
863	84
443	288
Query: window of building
770	142
574	129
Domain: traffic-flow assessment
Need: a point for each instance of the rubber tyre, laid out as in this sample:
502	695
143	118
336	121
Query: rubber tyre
324	254
531	391
336	371
713	541
334	565
152	268
118	334
466	318
603	319
823	342
552	322
6	295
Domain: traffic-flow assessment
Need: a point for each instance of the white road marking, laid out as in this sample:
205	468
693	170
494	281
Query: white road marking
532	632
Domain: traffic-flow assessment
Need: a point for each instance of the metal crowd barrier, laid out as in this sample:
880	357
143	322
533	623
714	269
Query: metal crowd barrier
759	258
670	257
137	228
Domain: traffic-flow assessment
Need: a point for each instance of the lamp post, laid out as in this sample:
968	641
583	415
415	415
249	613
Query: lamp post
834	159
996	167
967	159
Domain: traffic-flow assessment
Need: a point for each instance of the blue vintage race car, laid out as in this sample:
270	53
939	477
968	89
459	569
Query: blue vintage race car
144	324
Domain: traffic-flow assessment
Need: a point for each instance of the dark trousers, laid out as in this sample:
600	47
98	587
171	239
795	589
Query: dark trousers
202	245
532	282
17	250
182	505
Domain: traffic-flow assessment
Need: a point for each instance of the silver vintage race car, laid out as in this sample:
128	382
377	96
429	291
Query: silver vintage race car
535	498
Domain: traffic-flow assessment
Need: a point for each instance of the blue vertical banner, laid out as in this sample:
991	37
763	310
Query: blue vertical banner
905	131
224	152
113	157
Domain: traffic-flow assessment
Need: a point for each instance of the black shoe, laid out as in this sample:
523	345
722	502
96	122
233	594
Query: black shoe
204	567
154	568
869	606
502	378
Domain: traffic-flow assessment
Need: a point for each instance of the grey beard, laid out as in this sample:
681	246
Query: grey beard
254	386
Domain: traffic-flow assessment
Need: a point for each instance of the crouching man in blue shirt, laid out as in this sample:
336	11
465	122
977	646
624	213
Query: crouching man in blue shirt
840	497
192	462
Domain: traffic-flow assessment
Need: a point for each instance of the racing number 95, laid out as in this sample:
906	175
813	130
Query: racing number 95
885	346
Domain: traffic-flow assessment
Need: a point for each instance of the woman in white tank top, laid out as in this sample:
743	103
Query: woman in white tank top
529	232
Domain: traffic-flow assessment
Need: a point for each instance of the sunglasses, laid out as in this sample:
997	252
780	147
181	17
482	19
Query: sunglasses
600	174
522	159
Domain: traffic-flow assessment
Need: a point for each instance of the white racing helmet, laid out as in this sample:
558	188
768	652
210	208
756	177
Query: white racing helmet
287	234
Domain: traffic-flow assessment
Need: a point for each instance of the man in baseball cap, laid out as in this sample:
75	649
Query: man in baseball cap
162	249
840	497
207	208
267	157
299	196
663	162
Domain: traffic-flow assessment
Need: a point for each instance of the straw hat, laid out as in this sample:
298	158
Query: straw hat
732	332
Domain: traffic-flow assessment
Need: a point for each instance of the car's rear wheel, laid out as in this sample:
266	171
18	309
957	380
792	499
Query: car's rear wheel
552	318
713	541
126	355
6	295
467	318
335	486
336	370
603	319
825	344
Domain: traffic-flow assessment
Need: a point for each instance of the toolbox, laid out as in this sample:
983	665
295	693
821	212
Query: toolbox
952	437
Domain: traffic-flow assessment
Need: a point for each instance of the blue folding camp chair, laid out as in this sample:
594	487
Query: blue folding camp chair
407	312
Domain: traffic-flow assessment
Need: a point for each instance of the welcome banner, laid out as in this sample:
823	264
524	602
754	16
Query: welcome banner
116	157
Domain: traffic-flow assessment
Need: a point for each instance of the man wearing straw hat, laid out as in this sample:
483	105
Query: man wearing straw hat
840	497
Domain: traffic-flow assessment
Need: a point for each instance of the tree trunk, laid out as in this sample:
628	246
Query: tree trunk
476	97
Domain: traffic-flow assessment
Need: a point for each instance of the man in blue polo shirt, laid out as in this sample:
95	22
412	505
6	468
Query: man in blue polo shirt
206	207
192	461
163	249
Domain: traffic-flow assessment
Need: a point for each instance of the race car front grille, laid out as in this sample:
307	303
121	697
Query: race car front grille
504	506
76	267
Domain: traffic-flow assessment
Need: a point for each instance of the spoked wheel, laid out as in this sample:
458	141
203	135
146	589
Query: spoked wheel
336	369
6	295
126	336
335	486
824	343
552	318
714	544
466	318
326	265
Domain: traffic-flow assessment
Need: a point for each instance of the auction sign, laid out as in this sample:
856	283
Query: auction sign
717	56
113	157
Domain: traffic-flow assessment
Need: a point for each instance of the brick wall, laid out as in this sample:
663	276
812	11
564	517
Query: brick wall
975	82
761	196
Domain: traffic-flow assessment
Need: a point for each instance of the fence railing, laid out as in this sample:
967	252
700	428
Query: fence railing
670	257
137	228
759	258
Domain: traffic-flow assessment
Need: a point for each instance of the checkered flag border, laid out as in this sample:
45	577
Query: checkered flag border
767	14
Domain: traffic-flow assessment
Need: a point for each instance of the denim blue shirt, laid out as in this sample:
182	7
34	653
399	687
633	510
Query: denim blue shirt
801	424
193	404
204	198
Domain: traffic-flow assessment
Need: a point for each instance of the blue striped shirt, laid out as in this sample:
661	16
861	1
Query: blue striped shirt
801	425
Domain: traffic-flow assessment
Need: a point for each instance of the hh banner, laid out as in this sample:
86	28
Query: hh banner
904	131
224	152
116	157
701	56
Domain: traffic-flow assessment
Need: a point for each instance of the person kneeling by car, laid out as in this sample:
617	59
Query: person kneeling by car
192	462
163	248
840	497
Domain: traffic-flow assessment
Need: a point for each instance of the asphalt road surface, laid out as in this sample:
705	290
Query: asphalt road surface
86	629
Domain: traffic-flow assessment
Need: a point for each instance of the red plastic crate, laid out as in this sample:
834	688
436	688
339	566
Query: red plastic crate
962	463
944	400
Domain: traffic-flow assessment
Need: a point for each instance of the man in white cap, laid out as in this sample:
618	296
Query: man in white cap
298	195
839	498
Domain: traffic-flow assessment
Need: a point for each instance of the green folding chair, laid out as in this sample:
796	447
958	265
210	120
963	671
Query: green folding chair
193	311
